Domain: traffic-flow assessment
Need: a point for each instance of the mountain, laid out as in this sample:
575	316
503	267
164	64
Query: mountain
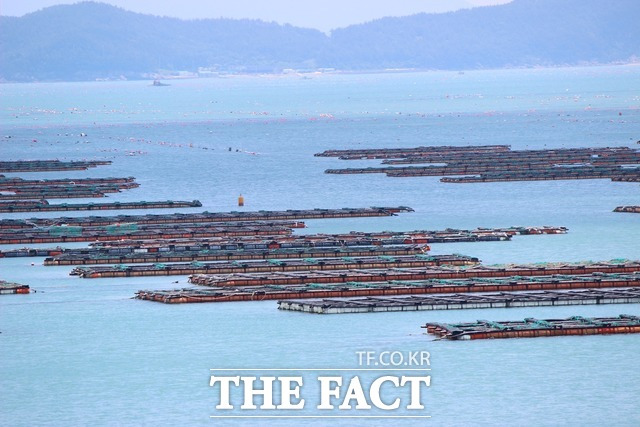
94	40
88	40
521	33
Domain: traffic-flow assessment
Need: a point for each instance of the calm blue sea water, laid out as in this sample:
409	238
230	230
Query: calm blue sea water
82	352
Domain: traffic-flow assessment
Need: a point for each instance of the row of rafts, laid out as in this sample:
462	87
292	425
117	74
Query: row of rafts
30	195
71	233
456	301
438	294
305	265
349	287
202	217
381	270
71	190
278	246
49	165
532	328
498	163
44	206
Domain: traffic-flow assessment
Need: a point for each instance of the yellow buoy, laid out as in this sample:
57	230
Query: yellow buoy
240	200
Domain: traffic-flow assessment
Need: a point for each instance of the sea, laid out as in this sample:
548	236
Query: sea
83	352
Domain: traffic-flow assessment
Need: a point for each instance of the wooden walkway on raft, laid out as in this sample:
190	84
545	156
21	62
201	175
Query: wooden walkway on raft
44	206
235	290
203	217
442	271
531	328
76	257
627	209
49	165
13	288
308	266
463	301
114	232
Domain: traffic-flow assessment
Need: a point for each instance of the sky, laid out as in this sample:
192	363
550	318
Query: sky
324	15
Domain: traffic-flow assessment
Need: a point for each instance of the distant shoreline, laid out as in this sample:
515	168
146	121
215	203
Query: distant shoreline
311	73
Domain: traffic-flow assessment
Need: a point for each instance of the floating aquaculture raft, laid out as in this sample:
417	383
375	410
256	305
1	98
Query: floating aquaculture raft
21	189
44	206
180	218
234	289
63	192
338	240
628	209
49	165
444	268
308	266
497	163
552	173
13	288
76	257
19	182
65	233
463	301
385	153
530	328
627	178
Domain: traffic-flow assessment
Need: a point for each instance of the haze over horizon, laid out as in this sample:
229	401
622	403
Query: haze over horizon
324	16
109	42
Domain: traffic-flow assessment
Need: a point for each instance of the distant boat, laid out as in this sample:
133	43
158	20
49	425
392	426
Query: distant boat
159	83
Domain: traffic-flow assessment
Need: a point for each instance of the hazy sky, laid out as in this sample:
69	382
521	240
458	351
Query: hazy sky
321	14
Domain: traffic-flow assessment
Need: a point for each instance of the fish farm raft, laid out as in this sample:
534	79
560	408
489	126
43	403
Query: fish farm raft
19	182
44	206
463	301
207	217
531	328
49	165
225	255
13	288
123	243
627	209
498	163
308	265
443	271
311	286
65	233
338	242
255	255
